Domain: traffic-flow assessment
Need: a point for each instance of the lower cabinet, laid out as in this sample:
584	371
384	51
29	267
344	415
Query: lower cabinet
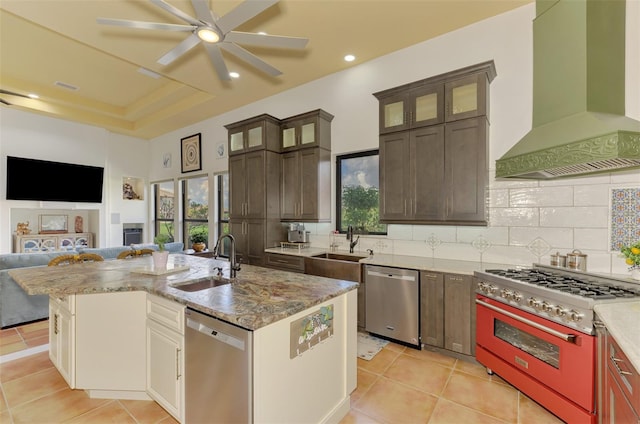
448	311
62	337
165	354
285	262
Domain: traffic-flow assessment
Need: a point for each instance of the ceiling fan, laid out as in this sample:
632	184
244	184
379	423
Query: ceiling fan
10	93
217	33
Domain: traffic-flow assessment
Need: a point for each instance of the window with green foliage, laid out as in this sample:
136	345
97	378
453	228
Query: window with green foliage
357	193
164	209
195	208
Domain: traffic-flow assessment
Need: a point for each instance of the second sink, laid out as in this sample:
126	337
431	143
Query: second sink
339	257
202	284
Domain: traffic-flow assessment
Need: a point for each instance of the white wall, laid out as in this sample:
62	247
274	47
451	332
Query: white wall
567	214
34	136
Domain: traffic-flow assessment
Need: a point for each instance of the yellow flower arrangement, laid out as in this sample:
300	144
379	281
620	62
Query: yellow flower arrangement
632	255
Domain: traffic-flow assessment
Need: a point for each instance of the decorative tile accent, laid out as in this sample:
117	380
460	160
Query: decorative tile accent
538	247
625	217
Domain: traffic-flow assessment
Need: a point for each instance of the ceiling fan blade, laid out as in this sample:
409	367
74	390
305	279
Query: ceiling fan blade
176	12
11	93
242	13
5	102
266	40
145	25
250	58
186	45
218	61
203	12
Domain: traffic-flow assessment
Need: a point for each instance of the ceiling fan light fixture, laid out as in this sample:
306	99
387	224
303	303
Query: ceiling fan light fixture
208	35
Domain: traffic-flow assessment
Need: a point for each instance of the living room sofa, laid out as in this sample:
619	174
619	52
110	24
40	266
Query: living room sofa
17	307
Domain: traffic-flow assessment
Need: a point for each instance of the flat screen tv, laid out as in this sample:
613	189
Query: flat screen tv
33	179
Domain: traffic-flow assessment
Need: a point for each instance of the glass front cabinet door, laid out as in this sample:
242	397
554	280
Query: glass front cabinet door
466	97
418	107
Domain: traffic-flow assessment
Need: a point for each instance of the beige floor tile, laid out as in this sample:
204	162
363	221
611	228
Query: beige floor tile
34	326
33	386
57	407
37	341
12	347
447	412
145	411
391	402
3	402
365	381
424	375
111	412
532	413
357	417
34	334
5	417
395	347
9	336
380	362
168	420
432	356
24	366
482	395
473	369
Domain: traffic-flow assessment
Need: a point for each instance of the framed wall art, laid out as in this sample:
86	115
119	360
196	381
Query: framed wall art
191	153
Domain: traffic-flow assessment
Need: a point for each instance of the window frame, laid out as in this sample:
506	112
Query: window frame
184	196
157	221
339	159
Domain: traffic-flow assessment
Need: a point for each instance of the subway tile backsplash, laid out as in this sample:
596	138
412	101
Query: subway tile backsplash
566	214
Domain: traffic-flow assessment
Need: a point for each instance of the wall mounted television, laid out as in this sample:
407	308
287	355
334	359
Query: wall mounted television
33	179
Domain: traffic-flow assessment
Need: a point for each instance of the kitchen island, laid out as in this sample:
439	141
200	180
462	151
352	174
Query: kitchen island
107	309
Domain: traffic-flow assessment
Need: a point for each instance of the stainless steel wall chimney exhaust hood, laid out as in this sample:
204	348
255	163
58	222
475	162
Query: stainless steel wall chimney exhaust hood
578	126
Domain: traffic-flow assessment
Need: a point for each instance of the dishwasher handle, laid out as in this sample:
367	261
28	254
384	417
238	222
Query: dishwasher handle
393	276
216	334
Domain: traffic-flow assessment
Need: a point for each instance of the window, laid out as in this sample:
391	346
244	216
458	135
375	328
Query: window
195	208
357	193
164	210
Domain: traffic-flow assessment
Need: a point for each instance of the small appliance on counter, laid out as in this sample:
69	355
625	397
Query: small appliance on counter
297	233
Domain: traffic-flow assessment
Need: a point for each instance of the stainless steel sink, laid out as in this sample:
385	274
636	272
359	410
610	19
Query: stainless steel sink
202	284
334	265
339	257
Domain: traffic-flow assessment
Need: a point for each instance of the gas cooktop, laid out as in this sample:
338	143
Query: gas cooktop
561	295
555	281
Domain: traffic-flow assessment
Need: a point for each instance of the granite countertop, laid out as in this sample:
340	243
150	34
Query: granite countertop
621	319
256	298
402	261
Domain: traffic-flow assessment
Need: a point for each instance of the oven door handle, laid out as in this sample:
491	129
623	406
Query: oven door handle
571	338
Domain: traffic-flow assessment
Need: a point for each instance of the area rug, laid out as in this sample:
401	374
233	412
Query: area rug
369	346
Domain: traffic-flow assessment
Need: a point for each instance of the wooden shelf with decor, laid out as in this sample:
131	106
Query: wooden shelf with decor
38	243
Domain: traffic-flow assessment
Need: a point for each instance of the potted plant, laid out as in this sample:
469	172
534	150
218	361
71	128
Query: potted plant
160	257
199	237
632	255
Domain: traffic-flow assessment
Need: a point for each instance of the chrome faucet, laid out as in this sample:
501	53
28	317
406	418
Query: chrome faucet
352	243
233	266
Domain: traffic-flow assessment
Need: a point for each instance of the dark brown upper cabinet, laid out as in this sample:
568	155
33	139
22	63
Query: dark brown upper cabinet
310	129
261	132
434	149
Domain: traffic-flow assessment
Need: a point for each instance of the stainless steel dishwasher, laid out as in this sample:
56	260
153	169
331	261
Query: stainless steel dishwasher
218	371
393	303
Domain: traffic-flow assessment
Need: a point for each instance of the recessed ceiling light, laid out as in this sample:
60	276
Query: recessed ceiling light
262	33
33	96
234	75
349	58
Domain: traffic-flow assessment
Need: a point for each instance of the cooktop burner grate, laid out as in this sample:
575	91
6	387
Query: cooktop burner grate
550	280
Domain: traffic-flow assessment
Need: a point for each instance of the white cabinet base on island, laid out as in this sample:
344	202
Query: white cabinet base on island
98	343
102	343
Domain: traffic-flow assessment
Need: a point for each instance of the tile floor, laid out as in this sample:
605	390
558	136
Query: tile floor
400	385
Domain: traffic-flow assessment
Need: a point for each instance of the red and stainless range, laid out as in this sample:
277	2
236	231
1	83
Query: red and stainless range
534	328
